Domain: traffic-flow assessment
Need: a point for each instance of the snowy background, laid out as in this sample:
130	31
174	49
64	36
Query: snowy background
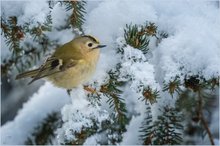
193	42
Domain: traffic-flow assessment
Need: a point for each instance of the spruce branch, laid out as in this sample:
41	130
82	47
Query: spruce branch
76	19
120	118
112	91
150	95
166	130
37	32
83	134
149	29
195	107
146	129
134	37
192	82
173	86
160	36
114	128
202	118
14	34
213	83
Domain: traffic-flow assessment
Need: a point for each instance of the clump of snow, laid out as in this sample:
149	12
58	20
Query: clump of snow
62	36
59	15
7	8
59	19
47	100
194	41
134	126
135	67
78	115
34	11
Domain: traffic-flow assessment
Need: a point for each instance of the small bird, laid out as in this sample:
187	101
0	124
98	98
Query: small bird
70	65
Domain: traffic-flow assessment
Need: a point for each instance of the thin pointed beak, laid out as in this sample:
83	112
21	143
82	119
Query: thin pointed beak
101	46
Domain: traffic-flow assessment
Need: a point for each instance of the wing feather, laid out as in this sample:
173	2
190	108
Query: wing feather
52	66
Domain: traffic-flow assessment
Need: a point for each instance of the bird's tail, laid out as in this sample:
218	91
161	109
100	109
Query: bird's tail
26	74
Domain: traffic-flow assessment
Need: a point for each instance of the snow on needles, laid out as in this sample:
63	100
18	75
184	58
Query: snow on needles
134	66
79	115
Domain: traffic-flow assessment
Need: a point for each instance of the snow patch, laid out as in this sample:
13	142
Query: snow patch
47	100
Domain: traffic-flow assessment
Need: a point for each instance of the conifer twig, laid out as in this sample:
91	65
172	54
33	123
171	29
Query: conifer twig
201	116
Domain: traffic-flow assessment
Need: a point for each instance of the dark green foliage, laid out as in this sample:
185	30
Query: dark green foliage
166	130
139	36
162	35
14	33
120	119
186	101
134	38
168	127
173	86
76	19
146	127
113	130
193	82
189	106
45	132
196	83
150	95
197	102
112	91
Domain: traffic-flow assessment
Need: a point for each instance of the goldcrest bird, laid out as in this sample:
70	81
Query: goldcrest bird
70	65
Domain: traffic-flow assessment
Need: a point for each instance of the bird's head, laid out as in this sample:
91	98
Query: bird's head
87	43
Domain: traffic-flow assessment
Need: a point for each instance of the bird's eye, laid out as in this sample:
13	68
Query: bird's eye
90	44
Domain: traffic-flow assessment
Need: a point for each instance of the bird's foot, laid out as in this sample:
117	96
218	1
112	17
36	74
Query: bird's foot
69	91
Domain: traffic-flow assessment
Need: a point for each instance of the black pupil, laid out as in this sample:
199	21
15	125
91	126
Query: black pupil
90	44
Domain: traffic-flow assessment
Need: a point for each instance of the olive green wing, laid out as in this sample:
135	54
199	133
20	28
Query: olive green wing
52	66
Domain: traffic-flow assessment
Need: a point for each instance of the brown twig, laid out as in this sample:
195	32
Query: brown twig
201	117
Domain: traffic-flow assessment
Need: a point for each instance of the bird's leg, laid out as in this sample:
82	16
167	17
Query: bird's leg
69	91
